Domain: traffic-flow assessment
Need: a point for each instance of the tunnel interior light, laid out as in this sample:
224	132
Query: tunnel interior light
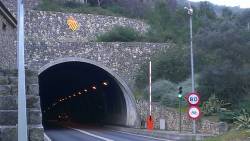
69	96
79	93
85	90
105	83
74	95
94	88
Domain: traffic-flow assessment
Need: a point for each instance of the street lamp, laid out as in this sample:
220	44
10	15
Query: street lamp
190	12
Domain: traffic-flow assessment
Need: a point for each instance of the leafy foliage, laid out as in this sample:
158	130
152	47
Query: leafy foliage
76	7
120	34
226	116
172	65
213	105
164	92
242	121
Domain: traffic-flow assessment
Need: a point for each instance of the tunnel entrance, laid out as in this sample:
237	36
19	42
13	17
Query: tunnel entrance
84	92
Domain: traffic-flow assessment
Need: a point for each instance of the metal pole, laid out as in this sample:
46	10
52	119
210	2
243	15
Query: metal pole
180	115
192	61
150	89
22	115
248	26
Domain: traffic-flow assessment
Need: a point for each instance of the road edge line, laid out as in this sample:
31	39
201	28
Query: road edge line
47	137
161	139
90	134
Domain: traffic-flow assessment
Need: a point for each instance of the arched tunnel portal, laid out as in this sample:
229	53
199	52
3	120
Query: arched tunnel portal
83	91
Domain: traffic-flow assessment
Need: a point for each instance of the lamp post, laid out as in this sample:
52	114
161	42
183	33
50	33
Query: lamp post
22	115
190	13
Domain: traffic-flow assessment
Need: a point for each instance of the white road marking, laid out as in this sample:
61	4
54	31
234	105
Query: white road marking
47	137
142	136
93	135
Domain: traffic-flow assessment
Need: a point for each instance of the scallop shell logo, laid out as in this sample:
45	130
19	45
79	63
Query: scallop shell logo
72	23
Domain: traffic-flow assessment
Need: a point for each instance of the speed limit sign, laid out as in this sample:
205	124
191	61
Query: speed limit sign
194	112
193	99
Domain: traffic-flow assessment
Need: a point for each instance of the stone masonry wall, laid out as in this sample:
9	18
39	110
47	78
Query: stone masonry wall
52	26
122	58
171	117
7	44
12	4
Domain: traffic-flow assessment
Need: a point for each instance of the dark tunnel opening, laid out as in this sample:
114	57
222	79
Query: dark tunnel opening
81	93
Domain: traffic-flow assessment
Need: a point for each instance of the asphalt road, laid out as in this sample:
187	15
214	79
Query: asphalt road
94	134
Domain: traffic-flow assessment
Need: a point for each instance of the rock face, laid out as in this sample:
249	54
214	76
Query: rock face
8	107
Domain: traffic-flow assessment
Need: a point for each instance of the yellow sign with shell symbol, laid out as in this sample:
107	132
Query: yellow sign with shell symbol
72	23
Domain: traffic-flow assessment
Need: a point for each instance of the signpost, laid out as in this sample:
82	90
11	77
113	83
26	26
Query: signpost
194	111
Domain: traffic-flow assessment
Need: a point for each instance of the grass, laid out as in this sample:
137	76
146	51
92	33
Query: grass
73	7
243	135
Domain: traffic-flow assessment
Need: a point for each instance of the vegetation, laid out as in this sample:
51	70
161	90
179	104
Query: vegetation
120	34
221	44
76	7
242	135
242	120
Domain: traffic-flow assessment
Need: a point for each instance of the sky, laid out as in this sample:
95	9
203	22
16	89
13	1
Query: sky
241	3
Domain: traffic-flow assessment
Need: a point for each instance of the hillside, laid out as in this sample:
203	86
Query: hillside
221	46
221	41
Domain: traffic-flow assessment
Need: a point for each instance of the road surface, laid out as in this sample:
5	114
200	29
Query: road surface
95	134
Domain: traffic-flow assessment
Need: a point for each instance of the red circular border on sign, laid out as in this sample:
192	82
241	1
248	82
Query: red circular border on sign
195	93
198	110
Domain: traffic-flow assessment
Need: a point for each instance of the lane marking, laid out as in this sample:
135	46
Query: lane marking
93	135
47	137
142	136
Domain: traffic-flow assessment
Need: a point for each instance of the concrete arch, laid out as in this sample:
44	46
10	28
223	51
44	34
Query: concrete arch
132	117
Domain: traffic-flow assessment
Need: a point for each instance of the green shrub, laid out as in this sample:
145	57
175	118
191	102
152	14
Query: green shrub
242	121
226	116
120	34
172	65
161	88
164	92
213	106
75	7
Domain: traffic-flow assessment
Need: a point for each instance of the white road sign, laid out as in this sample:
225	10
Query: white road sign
194	112
193	99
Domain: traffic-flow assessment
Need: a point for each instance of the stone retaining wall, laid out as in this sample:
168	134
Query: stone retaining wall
171	117
12	4
7	44
52	26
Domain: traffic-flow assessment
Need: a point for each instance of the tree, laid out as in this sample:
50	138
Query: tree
172	66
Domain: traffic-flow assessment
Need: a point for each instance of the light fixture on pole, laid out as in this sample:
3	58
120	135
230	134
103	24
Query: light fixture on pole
190	13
